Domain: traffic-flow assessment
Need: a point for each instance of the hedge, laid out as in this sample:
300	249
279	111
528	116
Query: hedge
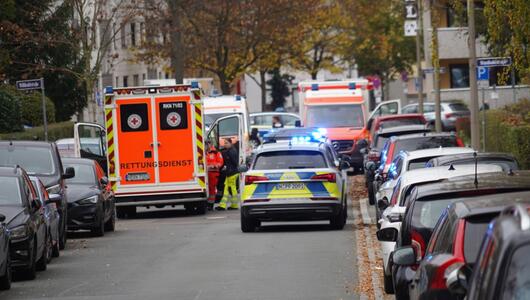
55	131
10	112
31	106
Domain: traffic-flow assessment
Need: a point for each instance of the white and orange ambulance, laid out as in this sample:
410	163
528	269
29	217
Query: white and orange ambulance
154	147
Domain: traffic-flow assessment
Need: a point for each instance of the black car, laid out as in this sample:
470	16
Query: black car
501	271
51	216
42	160
25	220
507	161
5	261
425	205
90	198
456	241
373	152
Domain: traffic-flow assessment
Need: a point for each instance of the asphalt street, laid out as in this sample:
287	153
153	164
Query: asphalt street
165	254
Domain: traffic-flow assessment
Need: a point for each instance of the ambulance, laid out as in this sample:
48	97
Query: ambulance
341	108
154	145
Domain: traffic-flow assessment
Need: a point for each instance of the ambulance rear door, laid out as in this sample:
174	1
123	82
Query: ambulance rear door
89	142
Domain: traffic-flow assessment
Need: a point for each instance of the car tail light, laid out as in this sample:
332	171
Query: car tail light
331	177
441	273
373	156
418	244
448	115
459	142
249	179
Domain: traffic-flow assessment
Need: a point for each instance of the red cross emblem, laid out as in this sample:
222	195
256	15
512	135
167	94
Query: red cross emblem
134	121
173	119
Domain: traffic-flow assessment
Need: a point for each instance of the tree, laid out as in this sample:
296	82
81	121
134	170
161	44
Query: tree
9	111
376	42
508	33
279	88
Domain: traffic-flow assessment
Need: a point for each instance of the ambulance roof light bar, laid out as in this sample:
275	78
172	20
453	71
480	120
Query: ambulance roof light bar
350	86
194	84
238	97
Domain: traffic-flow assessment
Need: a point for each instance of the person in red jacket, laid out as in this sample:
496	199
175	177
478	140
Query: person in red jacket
214	162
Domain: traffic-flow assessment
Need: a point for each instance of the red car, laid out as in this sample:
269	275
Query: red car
388	121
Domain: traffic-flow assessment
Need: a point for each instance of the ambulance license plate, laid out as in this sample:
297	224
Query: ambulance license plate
137	177
290	186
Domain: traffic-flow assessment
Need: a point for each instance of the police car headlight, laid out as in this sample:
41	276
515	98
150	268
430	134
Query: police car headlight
89	200
19	232
54	189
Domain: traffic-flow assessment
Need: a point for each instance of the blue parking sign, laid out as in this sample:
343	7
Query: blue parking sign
483	73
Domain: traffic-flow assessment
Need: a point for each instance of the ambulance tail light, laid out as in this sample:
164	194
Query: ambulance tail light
331	177
249	179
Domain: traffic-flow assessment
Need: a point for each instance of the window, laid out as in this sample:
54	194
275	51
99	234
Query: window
10	191
142	32
459	75
36	160
116	83
331	116
410	109
123	36
474	233
125	81
84	174
289	160
143	78
428	108
517	282
133	34
136	80
289	120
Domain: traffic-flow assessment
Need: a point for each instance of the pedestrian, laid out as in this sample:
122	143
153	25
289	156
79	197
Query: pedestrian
230	168
214	162
254	138
276	122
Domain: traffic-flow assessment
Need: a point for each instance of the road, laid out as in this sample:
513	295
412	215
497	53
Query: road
168	255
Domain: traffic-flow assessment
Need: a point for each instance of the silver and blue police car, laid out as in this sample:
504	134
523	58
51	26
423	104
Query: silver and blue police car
299	179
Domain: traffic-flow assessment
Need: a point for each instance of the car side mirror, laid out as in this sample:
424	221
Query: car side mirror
382	204
2	218
69	173
456	281
297	123
242	169
104	181
54	198
388	234
344	165
404	256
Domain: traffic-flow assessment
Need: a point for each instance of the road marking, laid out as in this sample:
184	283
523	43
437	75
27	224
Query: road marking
215	218
364	212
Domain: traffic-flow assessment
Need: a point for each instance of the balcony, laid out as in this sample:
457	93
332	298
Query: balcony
453	43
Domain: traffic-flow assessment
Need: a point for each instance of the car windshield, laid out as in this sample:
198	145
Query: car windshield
426	213
289	160
10	194
517	282
505	164
425	142
84	174
473	235
35	160
400	122
418	163
458	107
330	116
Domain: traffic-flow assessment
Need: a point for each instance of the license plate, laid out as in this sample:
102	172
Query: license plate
290	186
137	177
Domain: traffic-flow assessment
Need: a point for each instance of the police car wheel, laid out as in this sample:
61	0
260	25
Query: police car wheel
248	224
339	221
371	195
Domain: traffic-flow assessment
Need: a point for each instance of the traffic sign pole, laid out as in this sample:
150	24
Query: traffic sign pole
44	117
473	99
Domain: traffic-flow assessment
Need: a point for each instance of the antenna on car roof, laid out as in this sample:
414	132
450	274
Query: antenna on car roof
451	167
476	163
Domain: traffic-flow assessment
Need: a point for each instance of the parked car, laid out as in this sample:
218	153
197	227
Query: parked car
25	220
42	160
91	203
393	209
66	147
456	241
263	121
378	141
506	161
501	269
424	208
451	111
51	216
5	259
390	121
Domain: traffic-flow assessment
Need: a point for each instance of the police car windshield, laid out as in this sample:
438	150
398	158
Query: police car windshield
289	160
10	191
35	160
330	116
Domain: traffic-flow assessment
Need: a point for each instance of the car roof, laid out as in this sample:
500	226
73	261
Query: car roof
399	116
493	155
273	114
78	161
10	171
444	172
223	100
426	134
404	129
439	151
487	204
290	132
15	143
498	180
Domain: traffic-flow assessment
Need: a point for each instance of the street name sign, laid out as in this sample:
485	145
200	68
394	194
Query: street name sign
494	62
32	84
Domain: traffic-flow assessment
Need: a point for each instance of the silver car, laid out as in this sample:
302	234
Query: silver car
451	111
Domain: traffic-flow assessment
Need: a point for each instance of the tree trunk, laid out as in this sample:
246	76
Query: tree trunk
225	84
177	52
314	75
263	86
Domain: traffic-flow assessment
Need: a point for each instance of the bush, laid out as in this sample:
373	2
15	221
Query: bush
55	131
31	106
10	113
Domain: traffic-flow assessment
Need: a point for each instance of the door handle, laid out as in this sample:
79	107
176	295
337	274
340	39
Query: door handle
157	144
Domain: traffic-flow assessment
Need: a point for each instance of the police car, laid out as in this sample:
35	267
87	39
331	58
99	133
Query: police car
294	180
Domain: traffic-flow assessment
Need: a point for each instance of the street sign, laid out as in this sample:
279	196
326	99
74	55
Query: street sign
483	84
411	26
483	73
411	11
494	62
32	84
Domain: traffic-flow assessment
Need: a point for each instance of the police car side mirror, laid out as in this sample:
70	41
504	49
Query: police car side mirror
242	169
297	123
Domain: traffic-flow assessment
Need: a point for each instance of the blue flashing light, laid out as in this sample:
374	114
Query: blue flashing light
109	90
314	87
322	131
238	97
194	84
352	86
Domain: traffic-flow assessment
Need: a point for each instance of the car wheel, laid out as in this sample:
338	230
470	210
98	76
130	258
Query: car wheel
339	221
55	250
99	229
111	223
49	249
371	194
5	280
248	224
62	235
201	207
42	263
389	285
30	271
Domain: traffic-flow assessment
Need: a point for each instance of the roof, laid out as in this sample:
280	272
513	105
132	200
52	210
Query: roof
484	155
438	173
10	171
440	151
273	113
399	116
42	144
77	161
519	180
404	129
488	204
416	135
